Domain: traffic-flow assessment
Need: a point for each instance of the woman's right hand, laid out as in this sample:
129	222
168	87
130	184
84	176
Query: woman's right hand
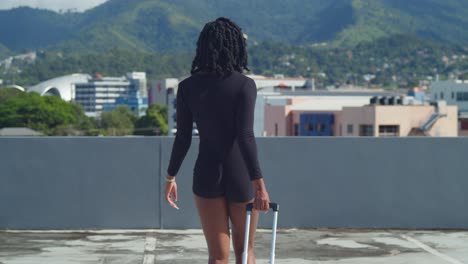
171	192
262	199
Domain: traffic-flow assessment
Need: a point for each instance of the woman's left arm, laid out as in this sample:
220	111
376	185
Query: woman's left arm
182	142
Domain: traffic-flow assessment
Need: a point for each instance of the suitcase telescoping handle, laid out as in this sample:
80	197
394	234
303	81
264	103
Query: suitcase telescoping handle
275	208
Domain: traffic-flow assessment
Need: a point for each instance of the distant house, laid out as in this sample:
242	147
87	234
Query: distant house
19	132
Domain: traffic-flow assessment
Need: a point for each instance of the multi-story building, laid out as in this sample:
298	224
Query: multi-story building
158	92
399	120
133	100
378	117
138	80
454	93
282	112
100	94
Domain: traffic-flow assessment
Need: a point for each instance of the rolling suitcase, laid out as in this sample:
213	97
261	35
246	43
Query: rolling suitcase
275	208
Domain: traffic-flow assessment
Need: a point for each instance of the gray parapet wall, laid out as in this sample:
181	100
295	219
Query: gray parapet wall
118	183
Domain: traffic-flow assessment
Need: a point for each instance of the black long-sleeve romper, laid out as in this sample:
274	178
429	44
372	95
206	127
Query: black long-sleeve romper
223	110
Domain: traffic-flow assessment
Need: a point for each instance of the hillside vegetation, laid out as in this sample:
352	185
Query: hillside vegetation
398	61
173	25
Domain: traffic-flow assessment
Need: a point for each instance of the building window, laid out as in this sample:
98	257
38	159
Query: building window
441	96
464	125
366	130
309	127
350	129
296	129
389	131
453	95
320	127
276	129
462	96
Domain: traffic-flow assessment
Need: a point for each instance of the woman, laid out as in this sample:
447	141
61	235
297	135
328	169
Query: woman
227	175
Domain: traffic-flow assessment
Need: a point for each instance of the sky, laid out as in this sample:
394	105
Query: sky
56	5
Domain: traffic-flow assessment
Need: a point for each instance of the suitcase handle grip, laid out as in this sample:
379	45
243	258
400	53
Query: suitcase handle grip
273	206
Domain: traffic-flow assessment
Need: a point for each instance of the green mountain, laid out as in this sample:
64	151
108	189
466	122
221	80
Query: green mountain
442	21
27	28
173	25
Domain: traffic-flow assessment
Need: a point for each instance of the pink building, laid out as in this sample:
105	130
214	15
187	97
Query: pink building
346	116
398	120
282	113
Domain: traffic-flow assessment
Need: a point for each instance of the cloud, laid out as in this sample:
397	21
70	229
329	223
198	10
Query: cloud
56	5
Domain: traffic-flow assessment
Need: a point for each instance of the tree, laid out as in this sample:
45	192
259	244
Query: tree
7	93
154	123
82	126
48	114
118	122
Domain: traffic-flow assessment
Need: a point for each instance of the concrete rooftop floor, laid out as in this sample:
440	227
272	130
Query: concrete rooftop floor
188	246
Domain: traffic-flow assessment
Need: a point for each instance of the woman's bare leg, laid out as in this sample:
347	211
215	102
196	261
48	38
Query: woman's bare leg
237	214
215	223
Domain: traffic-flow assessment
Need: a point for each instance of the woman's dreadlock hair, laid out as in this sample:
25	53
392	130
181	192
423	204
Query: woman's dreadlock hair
221	48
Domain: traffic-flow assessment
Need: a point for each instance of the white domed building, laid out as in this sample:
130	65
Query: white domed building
97	94
63	87
17	87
